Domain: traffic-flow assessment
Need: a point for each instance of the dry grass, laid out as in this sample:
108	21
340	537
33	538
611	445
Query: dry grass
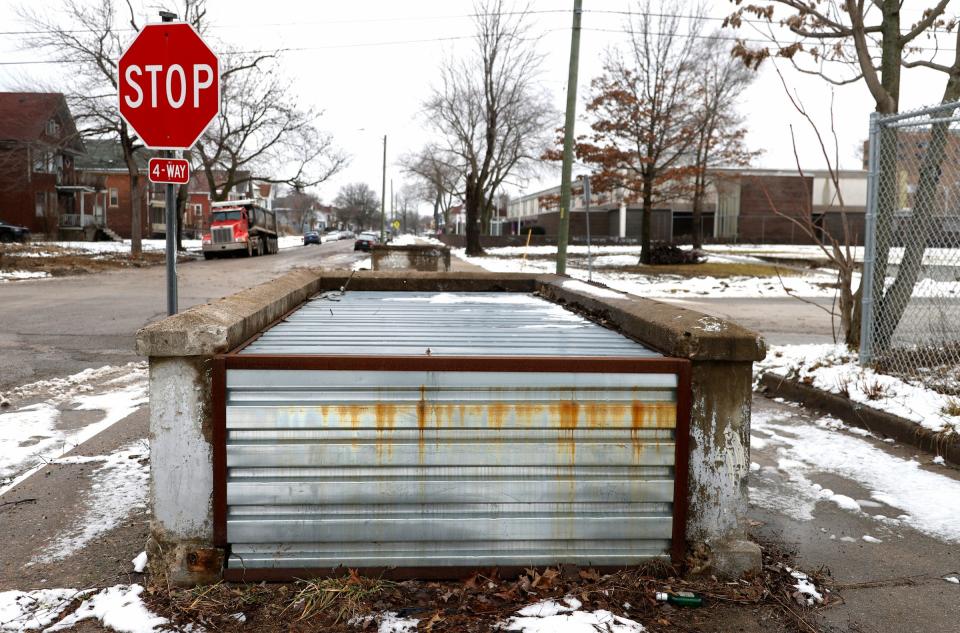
341	598
952	407
873	388
63	261
764	603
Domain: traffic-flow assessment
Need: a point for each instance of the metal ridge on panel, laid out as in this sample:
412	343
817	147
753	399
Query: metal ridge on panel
362	323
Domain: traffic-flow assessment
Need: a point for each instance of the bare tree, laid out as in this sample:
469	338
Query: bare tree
491	110
88	38
643	112
441	182
298	207
262	134
358	204
720	132
407	203
852	41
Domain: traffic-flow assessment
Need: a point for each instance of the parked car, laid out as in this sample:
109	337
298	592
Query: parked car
346	235
365	241
311	237
13	233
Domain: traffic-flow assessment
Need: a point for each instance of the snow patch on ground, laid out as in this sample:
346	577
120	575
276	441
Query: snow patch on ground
871	539
387	622
140	562
120	486
806	588
20	275
119	608
30	435
835	369
550	616
363	264
34	610
813	284
927	500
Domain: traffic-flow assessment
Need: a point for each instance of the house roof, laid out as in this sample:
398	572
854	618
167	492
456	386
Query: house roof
24	117
107	155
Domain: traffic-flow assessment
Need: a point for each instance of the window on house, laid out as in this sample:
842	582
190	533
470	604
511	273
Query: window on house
53	127
114	198
41	204
198	210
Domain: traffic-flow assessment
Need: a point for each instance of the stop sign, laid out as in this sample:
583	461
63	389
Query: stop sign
169	85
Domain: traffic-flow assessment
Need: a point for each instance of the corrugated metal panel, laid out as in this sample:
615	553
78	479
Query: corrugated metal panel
460	324
409	469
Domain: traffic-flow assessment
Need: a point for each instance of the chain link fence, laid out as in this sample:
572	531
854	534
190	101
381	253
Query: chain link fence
911	291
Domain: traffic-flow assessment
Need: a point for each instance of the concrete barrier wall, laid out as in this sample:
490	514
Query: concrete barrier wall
182	348
421	257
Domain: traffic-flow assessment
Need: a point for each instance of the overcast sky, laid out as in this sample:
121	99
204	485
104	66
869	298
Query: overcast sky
369	64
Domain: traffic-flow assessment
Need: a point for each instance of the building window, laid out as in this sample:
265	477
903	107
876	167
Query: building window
53	127
198	210
114	198
41	204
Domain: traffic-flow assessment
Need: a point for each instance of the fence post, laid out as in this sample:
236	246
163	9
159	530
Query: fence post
867	315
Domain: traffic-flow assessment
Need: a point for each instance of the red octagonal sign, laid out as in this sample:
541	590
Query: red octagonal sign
169	85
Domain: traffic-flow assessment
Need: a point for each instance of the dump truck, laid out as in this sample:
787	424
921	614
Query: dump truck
240	227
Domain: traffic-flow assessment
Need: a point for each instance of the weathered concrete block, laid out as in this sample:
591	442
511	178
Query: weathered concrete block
733	558
421	257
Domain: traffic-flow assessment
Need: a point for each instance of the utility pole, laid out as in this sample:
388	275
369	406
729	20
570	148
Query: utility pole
170	210
564	232
383	195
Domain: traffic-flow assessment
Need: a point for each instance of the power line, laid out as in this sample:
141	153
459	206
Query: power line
413	18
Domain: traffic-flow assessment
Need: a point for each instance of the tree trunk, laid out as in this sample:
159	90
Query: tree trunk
472	206
181	209
136	202
646	212
698	193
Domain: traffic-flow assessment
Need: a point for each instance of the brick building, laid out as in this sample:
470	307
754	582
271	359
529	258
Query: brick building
39	144
741	205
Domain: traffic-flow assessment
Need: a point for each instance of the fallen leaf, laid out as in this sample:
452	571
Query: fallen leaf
590	574
433	620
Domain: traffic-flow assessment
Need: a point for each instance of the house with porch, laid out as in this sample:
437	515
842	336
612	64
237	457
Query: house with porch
39	145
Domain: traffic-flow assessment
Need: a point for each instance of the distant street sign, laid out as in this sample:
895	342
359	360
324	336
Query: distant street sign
169	85
396	225
171	171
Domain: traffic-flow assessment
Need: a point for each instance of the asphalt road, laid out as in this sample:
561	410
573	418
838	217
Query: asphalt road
60	326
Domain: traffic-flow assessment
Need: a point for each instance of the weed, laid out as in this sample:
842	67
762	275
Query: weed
343	597
843	385
952	407
873	388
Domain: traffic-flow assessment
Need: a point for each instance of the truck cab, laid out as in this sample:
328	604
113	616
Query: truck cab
240	227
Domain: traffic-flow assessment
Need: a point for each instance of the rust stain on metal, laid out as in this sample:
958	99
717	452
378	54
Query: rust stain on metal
569	416
496	414
421	421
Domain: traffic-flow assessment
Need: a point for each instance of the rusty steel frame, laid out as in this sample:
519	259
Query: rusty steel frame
234	360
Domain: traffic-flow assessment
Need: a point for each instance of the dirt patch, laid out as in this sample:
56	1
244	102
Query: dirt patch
768	603
57	261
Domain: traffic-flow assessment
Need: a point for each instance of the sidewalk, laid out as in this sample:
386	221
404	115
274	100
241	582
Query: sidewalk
881	517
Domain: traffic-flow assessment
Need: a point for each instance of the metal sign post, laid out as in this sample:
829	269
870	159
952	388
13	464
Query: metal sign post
586	204
169	92
170	206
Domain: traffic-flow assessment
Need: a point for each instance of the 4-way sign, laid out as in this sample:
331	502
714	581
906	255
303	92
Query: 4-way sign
171	171
169	85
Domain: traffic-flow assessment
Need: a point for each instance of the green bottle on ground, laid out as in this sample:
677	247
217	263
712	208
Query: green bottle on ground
680	598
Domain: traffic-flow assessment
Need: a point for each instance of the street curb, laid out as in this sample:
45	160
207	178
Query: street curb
856	414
